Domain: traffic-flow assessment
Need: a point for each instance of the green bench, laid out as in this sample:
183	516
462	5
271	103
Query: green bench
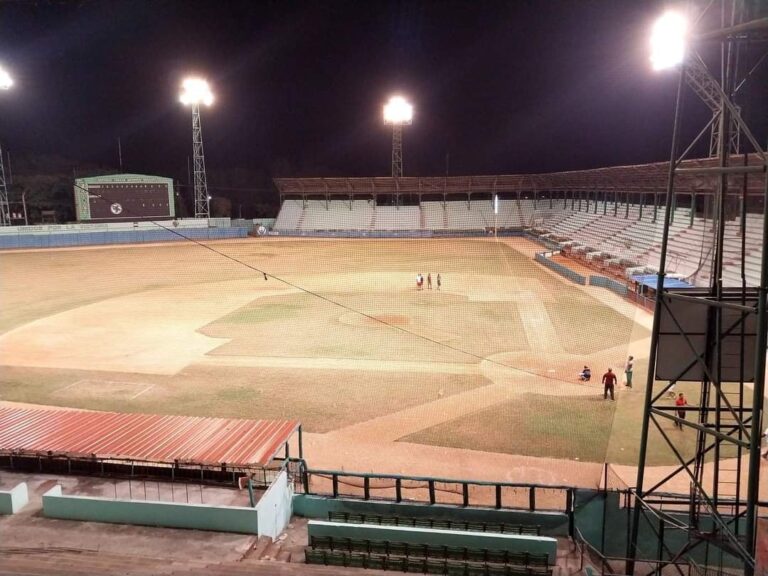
416	565
348	518
536	563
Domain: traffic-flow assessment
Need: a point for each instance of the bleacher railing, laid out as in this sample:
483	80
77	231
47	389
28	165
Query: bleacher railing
429	490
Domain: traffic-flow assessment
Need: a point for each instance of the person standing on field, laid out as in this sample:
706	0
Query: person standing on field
609	382
439	282
429	280
628	367
680	402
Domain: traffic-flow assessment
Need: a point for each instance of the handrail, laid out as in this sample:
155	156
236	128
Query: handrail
438	479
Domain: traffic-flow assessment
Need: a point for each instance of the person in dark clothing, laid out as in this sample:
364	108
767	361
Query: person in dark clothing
609	383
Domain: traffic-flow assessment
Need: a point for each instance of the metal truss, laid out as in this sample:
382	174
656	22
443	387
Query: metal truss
695	177
202	200
714	336
397	150
5	210
706	88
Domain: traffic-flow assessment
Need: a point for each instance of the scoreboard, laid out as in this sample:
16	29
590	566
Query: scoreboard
124	198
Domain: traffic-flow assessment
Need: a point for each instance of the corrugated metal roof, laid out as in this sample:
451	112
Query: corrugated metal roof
143	437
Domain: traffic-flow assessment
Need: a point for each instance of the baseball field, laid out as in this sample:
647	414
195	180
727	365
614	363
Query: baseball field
476	379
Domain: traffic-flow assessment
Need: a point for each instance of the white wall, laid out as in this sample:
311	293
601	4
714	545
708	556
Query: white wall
275	507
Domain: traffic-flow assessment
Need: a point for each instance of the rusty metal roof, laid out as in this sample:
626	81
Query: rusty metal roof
649	178
142	437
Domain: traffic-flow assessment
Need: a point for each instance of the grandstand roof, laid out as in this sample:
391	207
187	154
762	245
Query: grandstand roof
142	437
649	178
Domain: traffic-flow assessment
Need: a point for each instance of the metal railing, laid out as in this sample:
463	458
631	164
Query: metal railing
445	491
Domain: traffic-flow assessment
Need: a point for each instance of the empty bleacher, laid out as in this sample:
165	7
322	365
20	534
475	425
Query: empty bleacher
396	218
337	215
631	237
363	215
290	213
425	558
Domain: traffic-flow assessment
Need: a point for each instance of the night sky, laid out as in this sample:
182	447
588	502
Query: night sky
500	87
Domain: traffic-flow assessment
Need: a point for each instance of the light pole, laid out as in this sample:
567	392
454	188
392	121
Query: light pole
5	213
397	112
196	91
720	510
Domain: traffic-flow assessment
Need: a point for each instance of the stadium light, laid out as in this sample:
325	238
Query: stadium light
195	91
669	37
5	213
5	80
397	112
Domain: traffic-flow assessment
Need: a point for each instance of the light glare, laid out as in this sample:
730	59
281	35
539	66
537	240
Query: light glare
668	39
5	80
398	111
196	91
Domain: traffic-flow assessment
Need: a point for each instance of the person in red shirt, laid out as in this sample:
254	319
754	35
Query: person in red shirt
609	382
680	402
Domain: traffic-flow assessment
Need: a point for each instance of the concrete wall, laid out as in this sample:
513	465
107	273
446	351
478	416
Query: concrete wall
560	269
275	507
147	513
478	540
51	239
552	523
11	501
393	233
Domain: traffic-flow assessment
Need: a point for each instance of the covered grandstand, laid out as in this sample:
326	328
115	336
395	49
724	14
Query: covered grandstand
610	217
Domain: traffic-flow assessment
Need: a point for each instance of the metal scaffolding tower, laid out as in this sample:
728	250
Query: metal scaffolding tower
202	199
397	150
714	337
397	112
5	211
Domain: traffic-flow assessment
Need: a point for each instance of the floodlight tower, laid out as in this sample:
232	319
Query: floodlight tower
5	212
196	91
397	112
712	336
